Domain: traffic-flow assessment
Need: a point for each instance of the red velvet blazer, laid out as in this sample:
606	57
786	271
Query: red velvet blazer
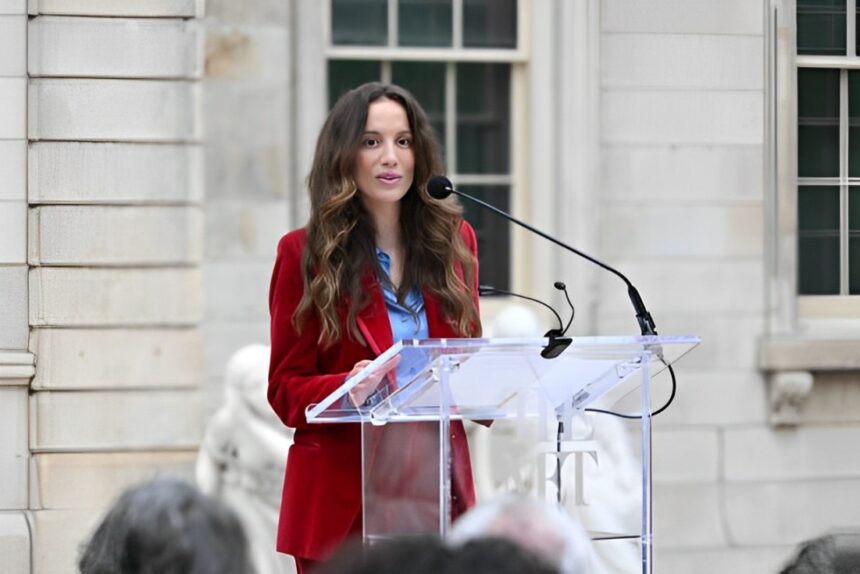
321	500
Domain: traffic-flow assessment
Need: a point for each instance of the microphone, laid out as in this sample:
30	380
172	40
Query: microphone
557	341
440	187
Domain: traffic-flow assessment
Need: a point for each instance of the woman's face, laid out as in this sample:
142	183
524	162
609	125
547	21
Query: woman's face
385	163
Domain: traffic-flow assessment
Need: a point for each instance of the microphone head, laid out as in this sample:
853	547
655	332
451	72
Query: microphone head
439	187
559	285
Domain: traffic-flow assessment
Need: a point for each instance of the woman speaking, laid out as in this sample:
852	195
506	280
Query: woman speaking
378	261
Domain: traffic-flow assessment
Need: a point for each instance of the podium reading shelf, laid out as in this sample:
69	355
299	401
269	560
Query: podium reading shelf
410	468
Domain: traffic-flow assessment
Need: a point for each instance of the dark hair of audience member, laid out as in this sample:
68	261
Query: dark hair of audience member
167	527
429	555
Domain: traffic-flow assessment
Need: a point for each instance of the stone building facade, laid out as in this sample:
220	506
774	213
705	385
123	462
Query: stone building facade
135	245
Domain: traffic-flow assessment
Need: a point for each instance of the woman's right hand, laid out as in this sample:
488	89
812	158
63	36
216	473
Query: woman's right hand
359	393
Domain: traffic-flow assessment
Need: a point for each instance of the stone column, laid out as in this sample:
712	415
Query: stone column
16	363
115	235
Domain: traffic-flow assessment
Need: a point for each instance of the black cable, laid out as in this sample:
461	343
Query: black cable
489	289
655	413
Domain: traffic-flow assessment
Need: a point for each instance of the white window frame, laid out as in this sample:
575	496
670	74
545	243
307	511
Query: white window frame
822	322
517	58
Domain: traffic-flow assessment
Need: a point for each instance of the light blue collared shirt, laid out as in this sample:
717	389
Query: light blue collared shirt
404	324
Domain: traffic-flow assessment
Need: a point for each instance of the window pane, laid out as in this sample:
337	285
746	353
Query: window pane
853	123
343	75
854	241
818	122
359	22
490	23
493	231
483	118
426	81
818	239
424	23
821	27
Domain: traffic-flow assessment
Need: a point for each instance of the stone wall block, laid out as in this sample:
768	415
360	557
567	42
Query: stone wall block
100	297
13	108
721	560
94	480
237	289
150	8
791	512
688	516
112	173
683	173
106	236
653	229
58	536
83	421
13	232
685	456
245	229
17	7
138	358
681	285
114	47
13	307
13	170
804	453
14	543
673	116
13	53
683	16
14	454
725	62
114	110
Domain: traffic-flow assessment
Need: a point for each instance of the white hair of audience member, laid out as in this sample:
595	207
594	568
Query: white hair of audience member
540	527
243	456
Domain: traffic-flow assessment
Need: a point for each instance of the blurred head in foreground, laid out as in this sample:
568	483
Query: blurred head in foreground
166	527
539	527
429	555
835	553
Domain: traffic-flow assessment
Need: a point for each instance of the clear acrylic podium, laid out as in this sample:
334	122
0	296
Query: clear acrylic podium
411	467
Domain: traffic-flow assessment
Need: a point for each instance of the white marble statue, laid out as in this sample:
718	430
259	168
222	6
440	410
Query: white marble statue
243	455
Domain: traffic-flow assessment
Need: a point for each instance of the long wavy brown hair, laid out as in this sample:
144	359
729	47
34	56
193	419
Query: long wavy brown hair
341	245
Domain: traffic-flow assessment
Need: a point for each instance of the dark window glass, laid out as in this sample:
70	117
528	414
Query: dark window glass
490	23
424	23
853	124
426	81
359	22
494	238
821	27
818	122
818	238
483	118
343	75
854	241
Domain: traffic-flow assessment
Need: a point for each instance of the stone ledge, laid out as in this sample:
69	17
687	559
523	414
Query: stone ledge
149	8
807	354
16	368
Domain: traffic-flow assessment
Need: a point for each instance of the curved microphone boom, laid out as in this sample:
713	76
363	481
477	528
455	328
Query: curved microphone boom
441	187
